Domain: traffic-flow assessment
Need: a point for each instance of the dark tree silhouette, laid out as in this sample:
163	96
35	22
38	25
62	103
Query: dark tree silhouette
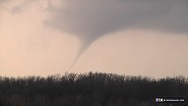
89	89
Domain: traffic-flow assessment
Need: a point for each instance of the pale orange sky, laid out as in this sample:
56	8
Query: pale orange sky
28	47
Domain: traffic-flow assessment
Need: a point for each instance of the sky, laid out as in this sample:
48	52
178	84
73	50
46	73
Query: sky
128	37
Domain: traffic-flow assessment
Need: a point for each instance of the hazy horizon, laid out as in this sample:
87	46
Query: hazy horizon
141	37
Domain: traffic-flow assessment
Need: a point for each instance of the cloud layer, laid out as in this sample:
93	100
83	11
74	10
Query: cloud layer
89	20
142	37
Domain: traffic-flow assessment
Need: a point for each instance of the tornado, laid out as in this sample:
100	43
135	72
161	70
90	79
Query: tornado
90	20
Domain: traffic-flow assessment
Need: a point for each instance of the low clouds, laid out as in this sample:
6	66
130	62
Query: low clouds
147	37
89	20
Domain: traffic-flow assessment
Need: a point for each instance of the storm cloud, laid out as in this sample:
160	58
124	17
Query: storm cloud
91	19
132	37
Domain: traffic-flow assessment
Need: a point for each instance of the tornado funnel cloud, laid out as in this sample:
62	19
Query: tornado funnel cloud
83	47
90	20
76	59
80	52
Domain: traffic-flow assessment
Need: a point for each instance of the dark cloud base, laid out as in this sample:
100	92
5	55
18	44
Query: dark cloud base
90	20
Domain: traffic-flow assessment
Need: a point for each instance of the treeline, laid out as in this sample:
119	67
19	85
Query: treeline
89	89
